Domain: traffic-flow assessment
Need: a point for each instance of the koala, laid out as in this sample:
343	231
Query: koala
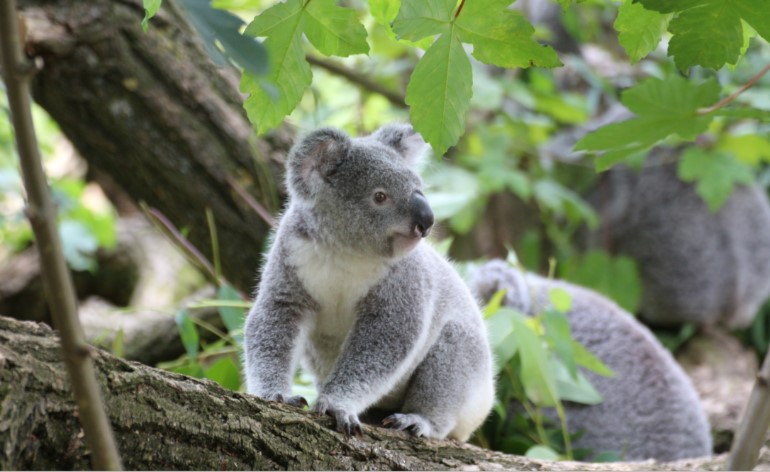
650	408
695	265
350	292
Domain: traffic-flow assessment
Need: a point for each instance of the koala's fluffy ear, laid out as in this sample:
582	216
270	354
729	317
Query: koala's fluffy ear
313	159
405	140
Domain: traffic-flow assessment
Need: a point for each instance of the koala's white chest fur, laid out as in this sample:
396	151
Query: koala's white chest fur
337	282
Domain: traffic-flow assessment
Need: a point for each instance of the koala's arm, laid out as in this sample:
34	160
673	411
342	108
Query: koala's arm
391	326
272	332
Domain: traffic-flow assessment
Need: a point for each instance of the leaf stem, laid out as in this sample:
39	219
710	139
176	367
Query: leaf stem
460	8
750	83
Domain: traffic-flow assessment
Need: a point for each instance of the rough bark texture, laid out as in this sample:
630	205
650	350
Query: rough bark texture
166	421
153	112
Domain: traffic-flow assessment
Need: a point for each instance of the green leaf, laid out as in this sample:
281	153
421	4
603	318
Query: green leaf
384	11
494	304
334	30
78	244
561	200
664	107
639	29
584	358
225	372
289	73
537	378
574	387
151	7
188	332
559	337
193	370
560	299
439	93
751	149
540	452
673	95
502	37
232	317
220	27
709	33
501	337
615	277
714	173
275	97
419	19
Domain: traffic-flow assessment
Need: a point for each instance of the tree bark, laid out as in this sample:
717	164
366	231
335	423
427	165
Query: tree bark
154	113
167	421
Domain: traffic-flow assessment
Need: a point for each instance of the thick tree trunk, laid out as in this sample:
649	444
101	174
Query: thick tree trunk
153	112
166	421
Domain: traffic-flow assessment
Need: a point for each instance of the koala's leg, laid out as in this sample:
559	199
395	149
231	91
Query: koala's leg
451	392
379	351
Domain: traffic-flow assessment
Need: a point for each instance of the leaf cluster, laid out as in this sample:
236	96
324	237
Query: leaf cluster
539	366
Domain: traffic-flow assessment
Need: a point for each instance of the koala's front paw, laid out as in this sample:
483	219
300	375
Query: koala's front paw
293	400
415	424
347	421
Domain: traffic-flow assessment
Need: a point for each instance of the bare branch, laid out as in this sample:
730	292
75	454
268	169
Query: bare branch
753	428
358	79
56	277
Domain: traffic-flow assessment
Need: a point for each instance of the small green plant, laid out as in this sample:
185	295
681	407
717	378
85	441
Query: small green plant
537	362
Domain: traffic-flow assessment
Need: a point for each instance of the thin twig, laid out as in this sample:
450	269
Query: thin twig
364	82
753	428
750	83
190	252
255	205
57	280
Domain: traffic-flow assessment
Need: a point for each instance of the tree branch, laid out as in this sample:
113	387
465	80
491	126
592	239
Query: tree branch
753	428
750	83
358	79
57	280
167	421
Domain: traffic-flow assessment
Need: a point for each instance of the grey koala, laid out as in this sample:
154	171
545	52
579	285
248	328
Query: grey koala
696	266
650	408
350	291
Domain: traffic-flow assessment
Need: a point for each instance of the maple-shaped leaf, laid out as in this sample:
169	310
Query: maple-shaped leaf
709	33
334	30
440	88
714	173
331	29
639	29
419	19
663	107
502	37
439	93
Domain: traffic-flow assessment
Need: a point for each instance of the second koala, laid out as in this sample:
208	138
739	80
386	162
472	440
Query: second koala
650	408
379	318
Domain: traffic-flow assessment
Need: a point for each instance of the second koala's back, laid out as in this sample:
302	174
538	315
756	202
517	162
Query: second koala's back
696	266
650	408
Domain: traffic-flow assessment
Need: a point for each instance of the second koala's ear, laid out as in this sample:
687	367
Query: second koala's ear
405	140
313	159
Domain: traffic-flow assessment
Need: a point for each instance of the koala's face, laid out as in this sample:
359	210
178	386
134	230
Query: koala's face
362	192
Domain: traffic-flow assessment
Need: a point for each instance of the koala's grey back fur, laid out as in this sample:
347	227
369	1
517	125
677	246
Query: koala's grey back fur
650	408
349	291
696	266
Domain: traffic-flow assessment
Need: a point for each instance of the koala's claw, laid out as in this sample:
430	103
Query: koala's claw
412	423
347	422
293	400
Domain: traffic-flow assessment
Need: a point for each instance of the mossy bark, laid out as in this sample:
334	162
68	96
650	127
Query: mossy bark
167	421
153	112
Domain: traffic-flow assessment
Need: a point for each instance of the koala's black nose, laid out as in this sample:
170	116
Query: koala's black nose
422	215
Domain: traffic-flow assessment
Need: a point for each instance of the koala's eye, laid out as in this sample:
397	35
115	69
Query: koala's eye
380	197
